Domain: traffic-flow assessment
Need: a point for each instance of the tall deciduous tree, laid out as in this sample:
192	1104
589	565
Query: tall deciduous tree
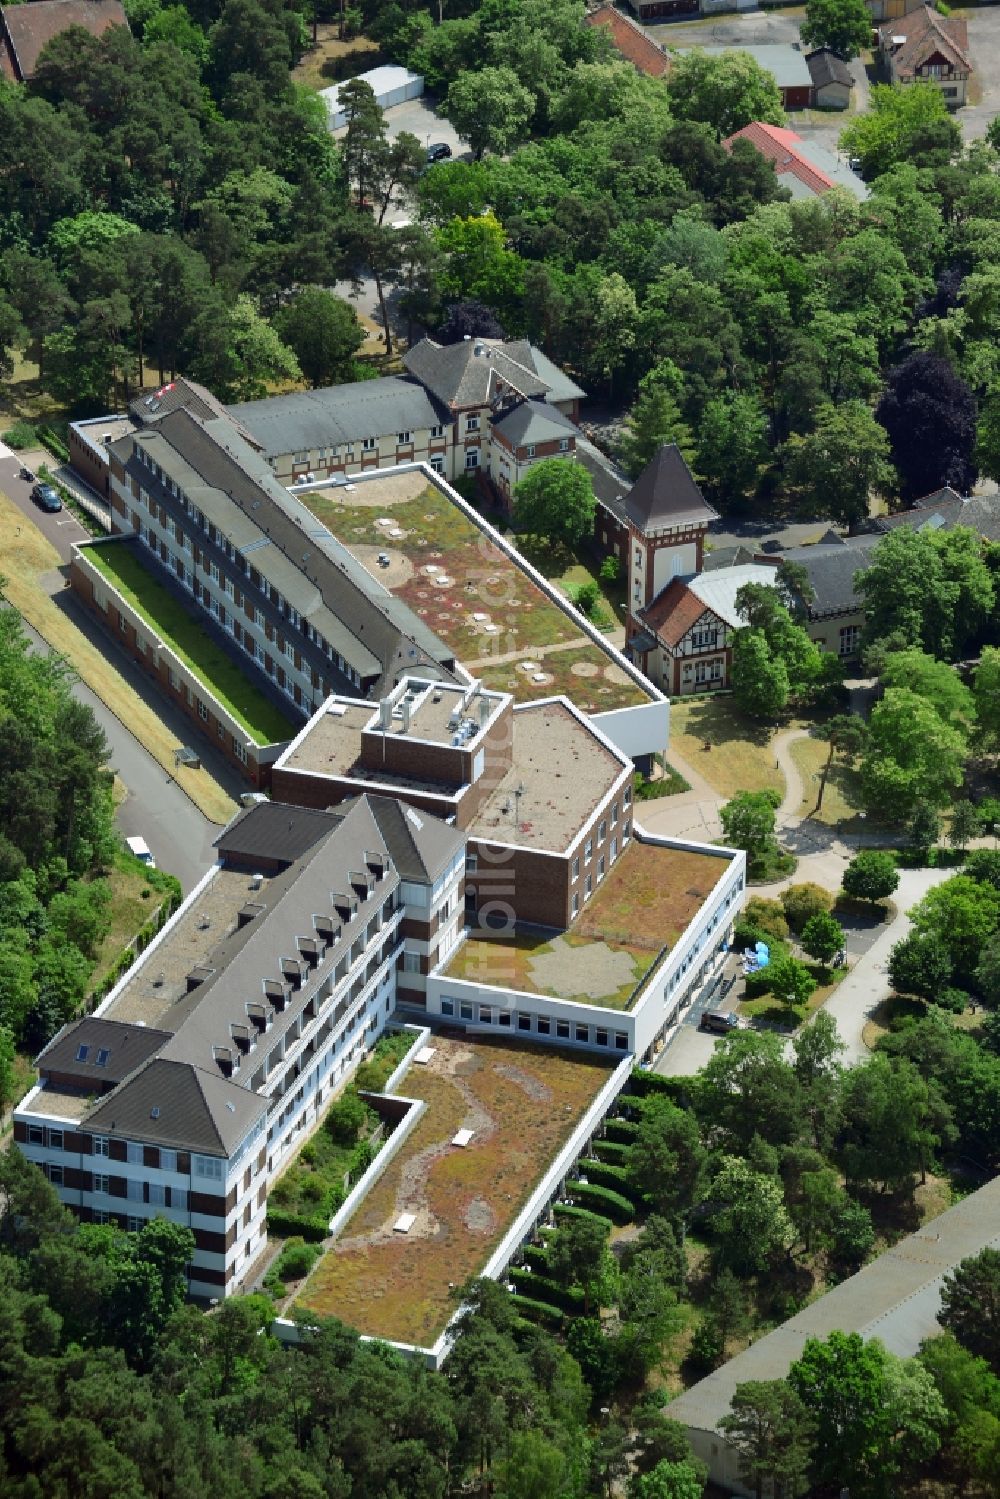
871	875
726	92
323	333
555	500
929	413
492	109
748	823
908	124
912	758
845	26
970	1305
843	462
732	446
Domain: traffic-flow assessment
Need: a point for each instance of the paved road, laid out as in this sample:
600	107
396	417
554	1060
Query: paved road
62	529
178	835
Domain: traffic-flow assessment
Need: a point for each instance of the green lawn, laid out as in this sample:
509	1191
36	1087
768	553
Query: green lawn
181	630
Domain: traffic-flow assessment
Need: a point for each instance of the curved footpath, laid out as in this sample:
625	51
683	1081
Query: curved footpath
822	855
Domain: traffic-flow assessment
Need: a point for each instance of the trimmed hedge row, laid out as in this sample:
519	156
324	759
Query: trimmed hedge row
616	1207
599	1173
537	1257
285	1225
569	1298
622	1130
645	1084
612	1152
51	440
569	1210
539	1311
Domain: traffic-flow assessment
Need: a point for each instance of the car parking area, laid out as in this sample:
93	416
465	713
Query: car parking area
421	119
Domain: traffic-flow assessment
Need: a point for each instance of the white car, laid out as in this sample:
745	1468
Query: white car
141	850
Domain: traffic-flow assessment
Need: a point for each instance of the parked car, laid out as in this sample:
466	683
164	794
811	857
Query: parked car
252	798
441	151
140	848
718	1021
46	498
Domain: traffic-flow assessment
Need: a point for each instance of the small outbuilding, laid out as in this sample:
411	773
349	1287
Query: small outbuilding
390	85
831	78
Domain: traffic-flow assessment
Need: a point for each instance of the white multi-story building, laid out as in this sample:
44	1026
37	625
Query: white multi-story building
185	1093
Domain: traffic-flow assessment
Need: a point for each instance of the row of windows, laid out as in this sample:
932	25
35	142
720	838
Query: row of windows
153	1193
277	599
602	833
538	1025
368	445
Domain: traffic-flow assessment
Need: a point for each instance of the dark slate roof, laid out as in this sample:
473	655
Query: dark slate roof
339	414
665	494
202	1019
610	484
477	371
534	421
420	846
831	571
181	394
274	831
947	508
122	1047
378	633
182	1107
719	557
28	28
826	67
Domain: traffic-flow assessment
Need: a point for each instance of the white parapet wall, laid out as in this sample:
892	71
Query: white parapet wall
535	1210
665	988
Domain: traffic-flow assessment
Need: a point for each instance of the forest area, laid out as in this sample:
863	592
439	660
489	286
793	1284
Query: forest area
172	202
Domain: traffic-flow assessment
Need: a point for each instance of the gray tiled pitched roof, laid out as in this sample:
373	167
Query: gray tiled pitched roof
831	571
826	67
339	414
419	845
665	493
232	483
174	1104
477	370
274	830
534	421
125	1047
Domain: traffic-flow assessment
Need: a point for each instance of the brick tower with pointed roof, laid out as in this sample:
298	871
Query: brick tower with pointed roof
667	518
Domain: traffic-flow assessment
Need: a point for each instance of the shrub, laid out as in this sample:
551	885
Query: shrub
603	1174
21	435
296	1259
766	916
612	1151
539	1311
644	1083
569	1298
287	1225
802	901
623	1130
307	1154
955	1000
586	596
610	569
346	1118
615	1206
871	875
569	1210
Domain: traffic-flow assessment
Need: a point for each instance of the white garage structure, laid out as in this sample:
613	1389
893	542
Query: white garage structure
390	85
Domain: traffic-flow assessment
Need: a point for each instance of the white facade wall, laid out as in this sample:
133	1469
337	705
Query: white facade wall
539	1017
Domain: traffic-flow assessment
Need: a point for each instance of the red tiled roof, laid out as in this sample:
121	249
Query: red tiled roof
631	41
926	33
25	29
673	612
779	145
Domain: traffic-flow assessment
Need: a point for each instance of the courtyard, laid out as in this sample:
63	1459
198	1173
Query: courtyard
492	614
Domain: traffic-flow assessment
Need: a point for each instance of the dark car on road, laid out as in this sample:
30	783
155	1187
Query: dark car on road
439	152
718	1021
46	498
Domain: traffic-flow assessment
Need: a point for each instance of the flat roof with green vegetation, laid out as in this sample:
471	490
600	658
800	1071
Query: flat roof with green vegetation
642	907
521	1103
182	631
471	593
